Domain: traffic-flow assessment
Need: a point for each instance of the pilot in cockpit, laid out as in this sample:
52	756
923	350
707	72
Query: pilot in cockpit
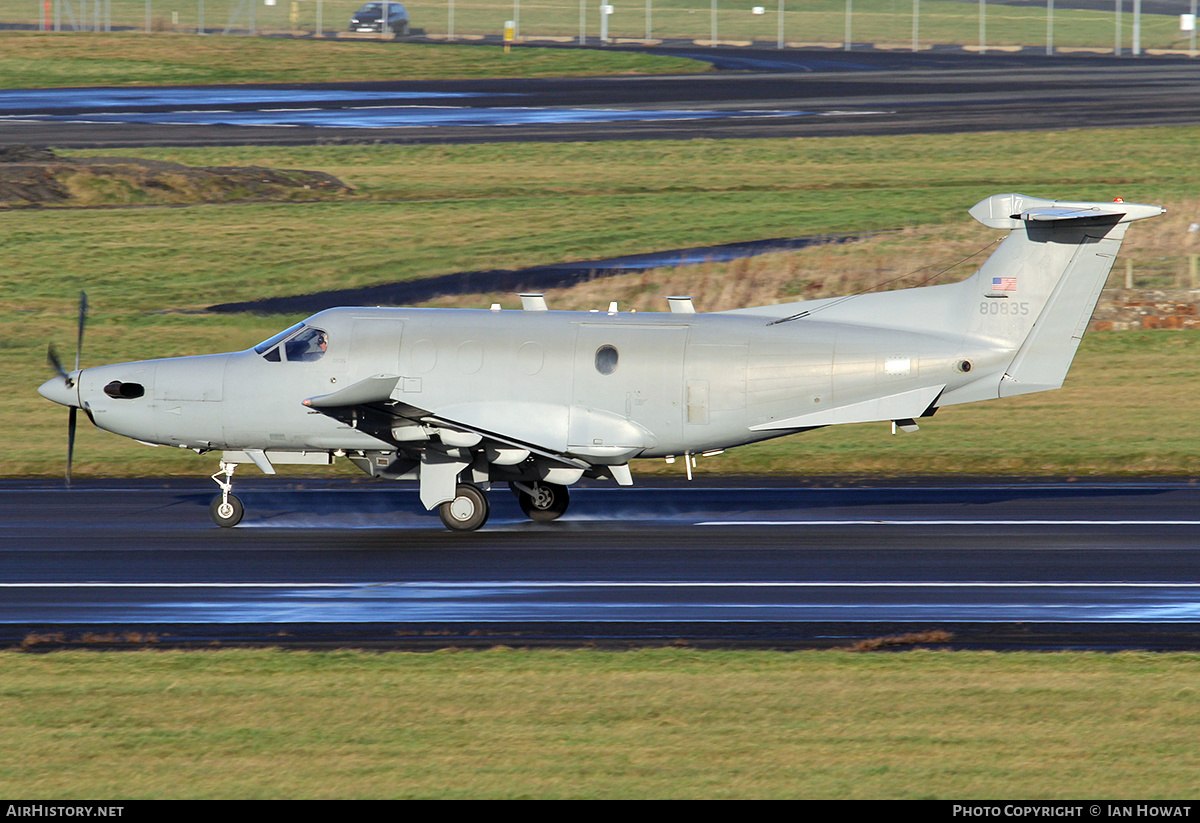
307	346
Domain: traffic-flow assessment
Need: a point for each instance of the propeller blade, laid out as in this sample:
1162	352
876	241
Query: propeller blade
83	307
55	363
71	441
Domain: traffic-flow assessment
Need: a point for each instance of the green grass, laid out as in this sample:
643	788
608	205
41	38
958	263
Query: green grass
813	21
422	211
31	60
593	724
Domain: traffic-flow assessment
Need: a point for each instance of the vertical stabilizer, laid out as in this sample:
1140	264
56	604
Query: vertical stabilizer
1036	293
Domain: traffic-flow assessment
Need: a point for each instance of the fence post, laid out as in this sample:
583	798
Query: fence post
1049	26
1192	38
1136	45
1117	47
983	26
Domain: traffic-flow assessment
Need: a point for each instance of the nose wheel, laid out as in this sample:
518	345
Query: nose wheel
226	510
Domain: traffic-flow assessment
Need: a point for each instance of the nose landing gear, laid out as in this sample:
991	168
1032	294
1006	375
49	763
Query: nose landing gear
226	509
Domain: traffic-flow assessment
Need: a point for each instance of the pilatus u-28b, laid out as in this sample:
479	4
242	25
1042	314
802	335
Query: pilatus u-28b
456	399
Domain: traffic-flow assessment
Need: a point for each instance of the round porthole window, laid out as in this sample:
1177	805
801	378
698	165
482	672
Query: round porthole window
606	360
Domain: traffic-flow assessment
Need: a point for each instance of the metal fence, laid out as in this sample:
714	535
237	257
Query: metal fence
1114	26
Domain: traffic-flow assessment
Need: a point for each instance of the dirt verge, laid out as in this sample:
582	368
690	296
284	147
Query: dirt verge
33	178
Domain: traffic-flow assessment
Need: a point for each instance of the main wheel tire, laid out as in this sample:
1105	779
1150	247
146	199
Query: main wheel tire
226	514
548	502
467	511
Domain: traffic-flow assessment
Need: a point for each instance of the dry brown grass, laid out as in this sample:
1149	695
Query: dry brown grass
1159	250
902	641
898	259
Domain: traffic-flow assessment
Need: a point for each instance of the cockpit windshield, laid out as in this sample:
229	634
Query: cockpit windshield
262	347
298	344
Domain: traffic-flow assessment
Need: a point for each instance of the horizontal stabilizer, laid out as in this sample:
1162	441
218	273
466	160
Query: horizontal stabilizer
901	406
1011	211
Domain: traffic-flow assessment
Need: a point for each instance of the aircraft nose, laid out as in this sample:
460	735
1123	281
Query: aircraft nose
57	390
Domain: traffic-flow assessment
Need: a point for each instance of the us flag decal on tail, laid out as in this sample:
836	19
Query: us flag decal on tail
1004	284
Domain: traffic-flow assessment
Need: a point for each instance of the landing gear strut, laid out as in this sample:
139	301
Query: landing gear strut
467	511
542	502
226	509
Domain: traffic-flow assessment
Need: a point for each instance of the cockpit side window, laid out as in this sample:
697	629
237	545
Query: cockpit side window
307	346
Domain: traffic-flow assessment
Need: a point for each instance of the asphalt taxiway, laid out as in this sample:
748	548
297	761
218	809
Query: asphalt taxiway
753	93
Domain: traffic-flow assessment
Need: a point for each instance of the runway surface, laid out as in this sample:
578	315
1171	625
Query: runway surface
753	93
1092	564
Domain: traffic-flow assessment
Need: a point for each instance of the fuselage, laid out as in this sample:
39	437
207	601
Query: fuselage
602	386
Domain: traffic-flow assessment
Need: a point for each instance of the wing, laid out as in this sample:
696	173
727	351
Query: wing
520	444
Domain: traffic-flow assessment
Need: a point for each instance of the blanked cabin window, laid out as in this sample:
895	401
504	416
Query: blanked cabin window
606	360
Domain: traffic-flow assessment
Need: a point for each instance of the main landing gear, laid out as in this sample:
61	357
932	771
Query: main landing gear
541	502
467	511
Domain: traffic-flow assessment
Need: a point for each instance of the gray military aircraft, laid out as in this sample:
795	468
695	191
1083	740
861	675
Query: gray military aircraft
458	398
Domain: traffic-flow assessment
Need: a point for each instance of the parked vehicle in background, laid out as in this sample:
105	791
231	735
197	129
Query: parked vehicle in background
369	17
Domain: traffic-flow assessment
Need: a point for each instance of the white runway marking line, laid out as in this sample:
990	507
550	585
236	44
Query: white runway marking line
610	584
948	523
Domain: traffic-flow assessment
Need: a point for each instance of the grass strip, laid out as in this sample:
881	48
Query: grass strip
571	724
35	60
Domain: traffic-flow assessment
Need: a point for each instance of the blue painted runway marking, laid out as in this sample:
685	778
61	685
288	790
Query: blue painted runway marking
608	601
100	99
391	117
